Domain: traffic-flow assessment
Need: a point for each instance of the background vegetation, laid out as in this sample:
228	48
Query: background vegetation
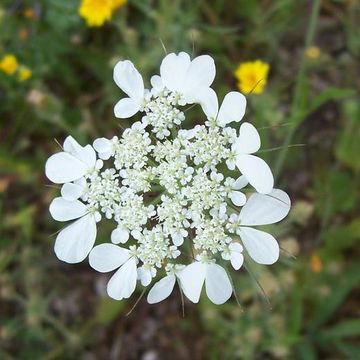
51	310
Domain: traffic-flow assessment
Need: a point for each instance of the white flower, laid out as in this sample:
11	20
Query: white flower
73	243
120	235
233	186
232	108
189	79
129	80
255	169
164	188
262	210
164	287
74	190
217	283
161	289
234	254
108	257
105	147
72	163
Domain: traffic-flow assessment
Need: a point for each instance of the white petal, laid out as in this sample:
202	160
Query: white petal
236	247
236	259
192	279
177	239
129	80
120	235
257	172
72	146
62	168
248	141
156	82
162	289
74	243
238	198
261	246
232	108
240	182
65	210
144	275
173	69
201	74
86	154
70	191
266	209
107	257
217	284
104	147
207	98
123	283
126	108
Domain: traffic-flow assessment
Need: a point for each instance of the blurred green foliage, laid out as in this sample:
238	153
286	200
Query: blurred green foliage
50	310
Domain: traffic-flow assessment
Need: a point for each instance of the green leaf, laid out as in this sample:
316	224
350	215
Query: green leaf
351	351
343	236
331	93
296	314
347	148
347	328
307	351
325	309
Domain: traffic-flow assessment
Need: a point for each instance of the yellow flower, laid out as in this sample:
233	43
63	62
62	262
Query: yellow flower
96	12
24	73
313	52
29	13
252	76
9	64
315	263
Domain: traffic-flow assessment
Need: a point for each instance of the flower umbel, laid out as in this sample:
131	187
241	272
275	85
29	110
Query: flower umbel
176	215
252	76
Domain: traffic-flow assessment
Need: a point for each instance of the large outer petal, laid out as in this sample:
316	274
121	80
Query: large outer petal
201	74
126	108
264	209
207	98
261	246
107	257
173	70
257	172
217	284
162	289
65	210
123	283
86	154
71	192
129	80
62	167
232	108
248	141
192	279
74	243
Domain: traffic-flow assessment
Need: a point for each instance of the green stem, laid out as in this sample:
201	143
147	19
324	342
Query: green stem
297	111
